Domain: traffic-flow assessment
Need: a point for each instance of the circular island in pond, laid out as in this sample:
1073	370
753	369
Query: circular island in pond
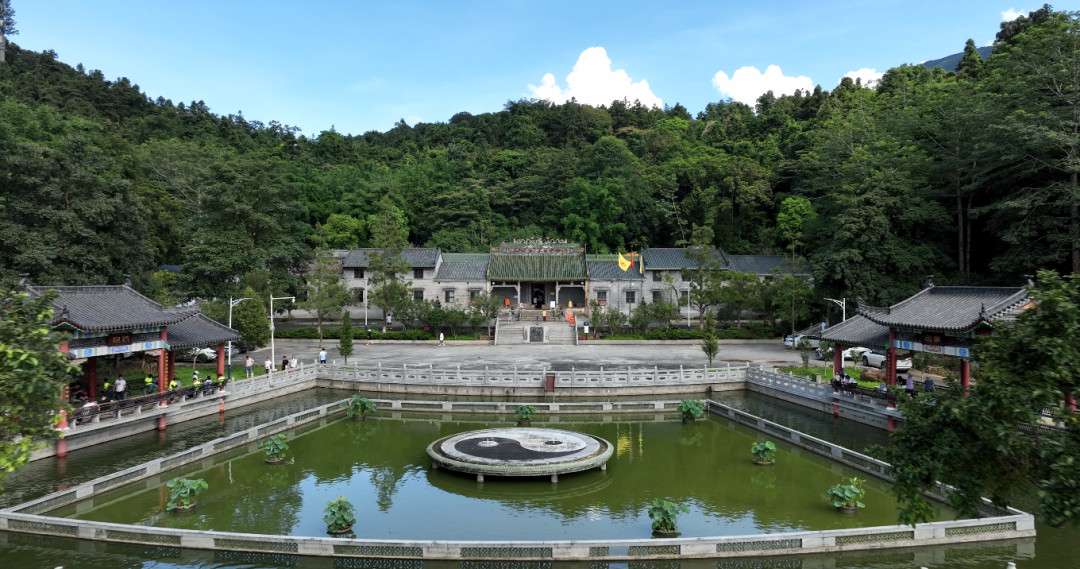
519	452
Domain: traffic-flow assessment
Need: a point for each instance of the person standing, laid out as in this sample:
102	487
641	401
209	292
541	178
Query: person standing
442	339
322	356
249	366
284	363
293	363
269	365
121	387
368	335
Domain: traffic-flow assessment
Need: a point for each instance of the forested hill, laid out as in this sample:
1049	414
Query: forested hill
969	176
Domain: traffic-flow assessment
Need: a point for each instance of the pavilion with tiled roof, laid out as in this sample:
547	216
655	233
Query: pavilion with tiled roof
116	319
944	320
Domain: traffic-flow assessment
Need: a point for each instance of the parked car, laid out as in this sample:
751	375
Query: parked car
202	354
851	353
876	358
795	343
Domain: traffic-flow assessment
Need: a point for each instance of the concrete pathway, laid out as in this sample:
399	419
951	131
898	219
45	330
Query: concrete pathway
532	356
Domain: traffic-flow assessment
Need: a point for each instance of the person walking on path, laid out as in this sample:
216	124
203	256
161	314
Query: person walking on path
121	387
442	339
269	365
249	366
322	356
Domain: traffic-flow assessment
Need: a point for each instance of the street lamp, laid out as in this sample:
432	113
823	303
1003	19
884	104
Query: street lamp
273	356
842	304
232	303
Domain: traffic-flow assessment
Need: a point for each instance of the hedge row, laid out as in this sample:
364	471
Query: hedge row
752	331
359	334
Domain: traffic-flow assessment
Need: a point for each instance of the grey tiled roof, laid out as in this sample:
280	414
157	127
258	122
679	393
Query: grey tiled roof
673	258
856	331
606	268
101	308
418	258
200	331
537	267
766	265
463	267
949	308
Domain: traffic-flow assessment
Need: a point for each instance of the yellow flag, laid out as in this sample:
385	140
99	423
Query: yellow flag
624	263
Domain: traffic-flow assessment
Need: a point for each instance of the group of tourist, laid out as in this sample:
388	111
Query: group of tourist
844	382
118	389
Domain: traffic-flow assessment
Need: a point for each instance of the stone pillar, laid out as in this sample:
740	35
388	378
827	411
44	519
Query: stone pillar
221	359
965	376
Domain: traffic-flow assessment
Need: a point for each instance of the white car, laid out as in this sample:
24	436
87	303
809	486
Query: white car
203	354
851	353
876	358
795	344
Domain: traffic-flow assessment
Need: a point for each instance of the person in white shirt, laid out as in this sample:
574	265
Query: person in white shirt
292	363
269	365
120	387
322	356
249	366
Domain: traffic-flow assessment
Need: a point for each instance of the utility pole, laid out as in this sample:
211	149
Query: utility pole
233	303
843	306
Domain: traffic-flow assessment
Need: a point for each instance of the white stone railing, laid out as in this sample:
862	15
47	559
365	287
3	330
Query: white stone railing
531	377
793	384
273	380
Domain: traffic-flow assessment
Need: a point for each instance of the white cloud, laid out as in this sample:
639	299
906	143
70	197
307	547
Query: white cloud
747	83
593	82
869	77
1011	14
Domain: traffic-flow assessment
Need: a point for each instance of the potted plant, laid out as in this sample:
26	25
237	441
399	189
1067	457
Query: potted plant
663	514
690	409
339	516
275	448
358	407
764	453
846	495
524	414
182	493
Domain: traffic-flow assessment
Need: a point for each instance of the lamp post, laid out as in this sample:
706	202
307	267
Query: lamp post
232	302
842	304
273	355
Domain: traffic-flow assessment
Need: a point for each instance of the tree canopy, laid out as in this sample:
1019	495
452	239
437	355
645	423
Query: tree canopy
969	175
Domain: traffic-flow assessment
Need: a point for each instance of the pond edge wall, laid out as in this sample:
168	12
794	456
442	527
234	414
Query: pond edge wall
1000	525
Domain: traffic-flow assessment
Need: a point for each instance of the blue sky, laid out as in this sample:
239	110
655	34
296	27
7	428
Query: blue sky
361	66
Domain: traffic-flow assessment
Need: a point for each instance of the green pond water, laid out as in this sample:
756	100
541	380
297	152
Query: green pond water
381	466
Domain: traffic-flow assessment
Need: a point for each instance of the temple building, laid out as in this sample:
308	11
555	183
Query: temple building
556	275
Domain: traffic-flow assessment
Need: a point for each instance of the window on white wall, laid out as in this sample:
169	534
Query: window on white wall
631	296
448	296
418	294
601	296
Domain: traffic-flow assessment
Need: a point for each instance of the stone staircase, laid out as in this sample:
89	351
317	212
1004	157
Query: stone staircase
513	332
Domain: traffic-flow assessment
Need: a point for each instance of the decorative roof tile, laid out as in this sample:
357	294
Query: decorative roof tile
669	258
102	308
418	258
856	331
463	267
537	267
200	331
606	268
950	308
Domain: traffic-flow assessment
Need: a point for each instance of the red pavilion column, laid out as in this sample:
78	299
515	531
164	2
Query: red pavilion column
162	370
1070	402
221	360
837	358
965	375
91	378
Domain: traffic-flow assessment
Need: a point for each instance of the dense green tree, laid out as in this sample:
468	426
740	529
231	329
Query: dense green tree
973	444
33	373
345	341
326	295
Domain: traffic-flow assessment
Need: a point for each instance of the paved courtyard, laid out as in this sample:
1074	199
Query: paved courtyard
584	357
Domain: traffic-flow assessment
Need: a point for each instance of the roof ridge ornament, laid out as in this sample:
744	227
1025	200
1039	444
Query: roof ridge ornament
929	282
